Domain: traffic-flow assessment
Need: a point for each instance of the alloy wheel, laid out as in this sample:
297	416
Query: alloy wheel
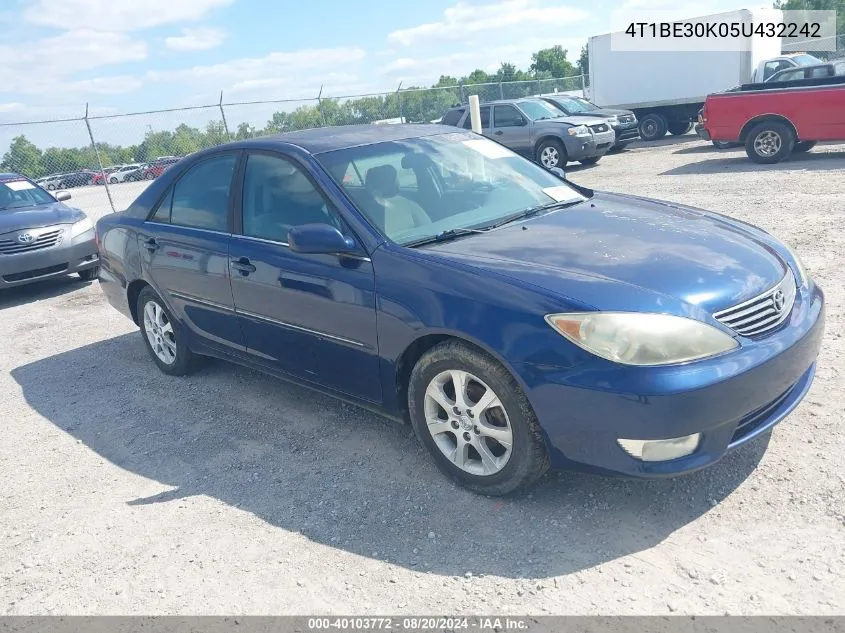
159	332
550	157
767	143
468	422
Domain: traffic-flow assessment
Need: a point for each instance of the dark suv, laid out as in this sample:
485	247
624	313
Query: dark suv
623	122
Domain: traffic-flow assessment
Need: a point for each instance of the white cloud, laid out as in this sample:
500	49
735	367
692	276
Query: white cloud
463	20
14	106
118	15
198	39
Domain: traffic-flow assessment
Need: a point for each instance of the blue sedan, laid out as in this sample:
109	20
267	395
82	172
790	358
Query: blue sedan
519	322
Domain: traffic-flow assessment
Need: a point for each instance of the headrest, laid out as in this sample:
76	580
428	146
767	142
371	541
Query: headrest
383	181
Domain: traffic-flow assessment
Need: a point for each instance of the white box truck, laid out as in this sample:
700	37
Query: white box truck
666	89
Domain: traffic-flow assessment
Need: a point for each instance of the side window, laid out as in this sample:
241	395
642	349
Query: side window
824	71
484	111
201	195
278	195
162	212
452	117
507	116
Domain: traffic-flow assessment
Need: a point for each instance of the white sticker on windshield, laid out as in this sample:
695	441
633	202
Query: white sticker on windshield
561	193
488	149
19	185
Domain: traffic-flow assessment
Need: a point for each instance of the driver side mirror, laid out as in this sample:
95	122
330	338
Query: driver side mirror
557	171
63	195
319	238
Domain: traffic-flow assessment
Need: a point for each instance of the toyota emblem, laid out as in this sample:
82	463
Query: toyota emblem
778	300
26	238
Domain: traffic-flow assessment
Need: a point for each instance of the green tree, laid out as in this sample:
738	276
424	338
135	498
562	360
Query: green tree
820	5
552	60
24	158
584	61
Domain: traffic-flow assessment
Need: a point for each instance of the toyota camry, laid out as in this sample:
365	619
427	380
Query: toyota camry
518	321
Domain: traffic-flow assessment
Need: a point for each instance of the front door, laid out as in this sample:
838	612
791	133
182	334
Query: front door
310	315
510	128
184	247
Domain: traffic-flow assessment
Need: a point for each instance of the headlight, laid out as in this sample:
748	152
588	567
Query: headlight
640	338
803	277
578	130
612	121
83	226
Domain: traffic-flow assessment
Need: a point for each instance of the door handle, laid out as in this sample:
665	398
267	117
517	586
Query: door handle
151	244
498	132
243	266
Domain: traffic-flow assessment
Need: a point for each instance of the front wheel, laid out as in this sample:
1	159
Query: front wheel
769	142
551	154
653	126
476	423
804	146
162	336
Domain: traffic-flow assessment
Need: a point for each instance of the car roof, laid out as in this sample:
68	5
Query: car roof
326	139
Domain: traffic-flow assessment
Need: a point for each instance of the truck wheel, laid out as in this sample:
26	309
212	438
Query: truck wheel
653	126
804	146
769	142
551	154
679	128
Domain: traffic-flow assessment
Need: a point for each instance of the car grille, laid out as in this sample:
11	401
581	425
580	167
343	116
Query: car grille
764	312
42	240
600	127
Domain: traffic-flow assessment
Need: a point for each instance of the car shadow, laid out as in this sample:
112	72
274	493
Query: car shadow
707	148
810	161
666	141
344	477
39	291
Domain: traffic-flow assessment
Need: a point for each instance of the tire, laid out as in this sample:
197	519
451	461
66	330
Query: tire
679	128
182	361
722	144
504	471
89	274
769	142
804	146
551	153
590	161
653	126
113	180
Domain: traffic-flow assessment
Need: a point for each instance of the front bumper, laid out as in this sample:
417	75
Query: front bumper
627	133
580	147
71	256
728	399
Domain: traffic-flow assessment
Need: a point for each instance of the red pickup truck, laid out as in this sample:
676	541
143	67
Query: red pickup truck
773	121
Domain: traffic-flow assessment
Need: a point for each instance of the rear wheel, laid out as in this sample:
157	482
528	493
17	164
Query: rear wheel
679	128
804	146
163	336
476	423
551	154
769	142
113	180
653	126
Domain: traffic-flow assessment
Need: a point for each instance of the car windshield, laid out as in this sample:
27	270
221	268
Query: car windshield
420	188
576	104
19	193
540	110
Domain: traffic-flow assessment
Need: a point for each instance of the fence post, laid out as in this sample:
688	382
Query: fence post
501	91
399	100
320	106
99	162
463	92
223	114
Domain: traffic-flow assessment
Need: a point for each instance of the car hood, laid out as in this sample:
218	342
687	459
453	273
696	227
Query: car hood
603	113
576	120
41	215
613	250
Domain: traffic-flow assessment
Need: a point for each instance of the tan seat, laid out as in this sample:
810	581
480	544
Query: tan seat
400	213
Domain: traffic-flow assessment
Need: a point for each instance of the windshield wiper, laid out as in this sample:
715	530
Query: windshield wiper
443	236
525	213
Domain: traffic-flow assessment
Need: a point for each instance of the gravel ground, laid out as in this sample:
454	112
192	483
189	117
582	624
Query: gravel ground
127	492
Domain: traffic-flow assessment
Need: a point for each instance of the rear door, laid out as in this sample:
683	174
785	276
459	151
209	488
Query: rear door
184	247
510	128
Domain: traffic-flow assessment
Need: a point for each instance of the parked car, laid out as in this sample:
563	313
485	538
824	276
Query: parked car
51	183
623	122
540	131
126	172
81	178
775	120
516	320
100	176
158	167
815	71
40	236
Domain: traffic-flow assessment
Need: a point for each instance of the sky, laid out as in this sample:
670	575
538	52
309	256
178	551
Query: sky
122	56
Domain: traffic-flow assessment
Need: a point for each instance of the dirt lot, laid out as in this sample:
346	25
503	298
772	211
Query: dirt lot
124	491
